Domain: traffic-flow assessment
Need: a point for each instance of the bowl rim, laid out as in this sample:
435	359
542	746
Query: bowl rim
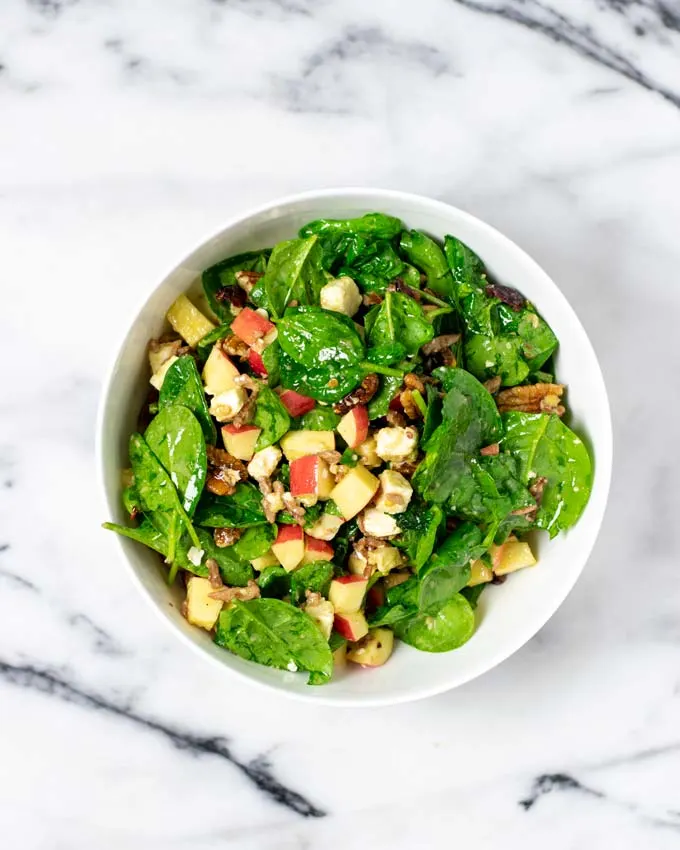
604	459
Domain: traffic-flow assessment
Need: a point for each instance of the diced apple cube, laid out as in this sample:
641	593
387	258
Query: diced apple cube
353	427
326	527
340	656
310	479
515	556
480	573
374	649
358	565
367	453
295	403
379	524
188	321
158	377
239	440
317	550
323	614
385	558
256	363
267	560
351	626
353	492
395	579
161	352
394	494
227	404
219	372
289	546
201	610
297	444
250	326
347	593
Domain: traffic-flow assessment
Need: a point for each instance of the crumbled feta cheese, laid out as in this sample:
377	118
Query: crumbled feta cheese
227	404
159	376
264	463
326	527
379	524
292	666
396	443
341	295
322	612
394	494
195	555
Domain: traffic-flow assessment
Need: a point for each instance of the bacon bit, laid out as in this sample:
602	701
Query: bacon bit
224	537
361	395
224	472
234	294
294	508
532	398
491	450
247	280
371	299
214	574
537	488
439	344
243	594
507	295
395	419
493	385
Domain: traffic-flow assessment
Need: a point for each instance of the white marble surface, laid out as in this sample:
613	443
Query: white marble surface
127	131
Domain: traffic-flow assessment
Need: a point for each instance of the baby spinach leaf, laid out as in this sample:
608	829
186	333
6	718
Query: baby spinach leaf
205	345
224	274
479	396
182	385
547	448
315	577
424	253
343	539
488	490
312	337
274	582
386	354
400	605
472	594
445	626
240	510
270	358
319	419
276	634
294	273
487	356
175	437
272	417
254	542
419	525
325	383
145	533
380	403
399	319
439	584
448	570
376	265
235	570
433	415
376	225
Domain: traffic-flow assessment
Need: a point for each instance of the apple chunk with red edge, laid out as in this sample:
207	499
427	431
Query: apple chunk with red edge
289	546
351	626
374	649
353	427
239	440
256	363
347	593
219	372
250	326
295	403
354	491
310	478
317	550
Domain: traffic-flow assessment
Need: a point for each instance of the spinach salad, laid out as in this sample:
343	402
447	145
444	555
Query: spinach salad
348	443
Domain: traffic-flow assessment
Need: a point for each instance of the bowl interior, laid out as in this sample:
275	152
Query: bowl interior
508	614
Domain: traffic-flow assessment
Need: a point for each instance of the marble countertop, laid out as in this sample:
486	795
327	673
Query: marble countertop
129	130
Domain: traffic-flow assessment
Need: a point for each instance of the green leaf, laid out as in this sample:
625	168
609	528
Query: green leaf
387	354
272	417
276	634
315	577
182	385
325	383
433	415
240	510
254	542
205	345
314	337
318	419
547	448
176	438
224	274
419	525
274	582
426	255
445	627
479	396
376	225
399	319
448	570
380	403
472	594
294	272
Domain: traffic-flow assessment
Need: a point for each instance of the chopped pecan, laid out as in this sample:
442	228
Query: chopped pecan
448	358
395	419
368	544
248	383
414	382
493	385
228	594
214	574
490	450
361	395
224	537
371	299
247	280
440	343
399	285
338	471
526	511
331	457
234	294
224	472
272	502
532	398
313	598
235	347
507	295
294	508
536	489
405	467
411	409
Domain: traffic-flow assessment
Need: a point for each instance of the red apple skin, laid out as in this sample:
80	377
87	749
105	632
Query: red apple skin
309	476
396	404
346	625
233	431
375	597
256	363
295	403
287	533
353	427
318	550
251	326
350	579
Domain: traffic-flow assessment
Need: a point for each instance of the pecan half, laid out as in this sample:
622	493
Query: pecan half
247	280
235	347
233	294
533	398
413	382
371	299
224	537
405	467
361	395
294	508
224	472
395	418
411	409
507	295
214	574
440	343
228	594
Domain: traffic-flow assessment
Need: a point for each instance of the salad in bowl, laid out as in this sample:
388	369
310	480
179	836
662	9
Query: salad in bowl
348	438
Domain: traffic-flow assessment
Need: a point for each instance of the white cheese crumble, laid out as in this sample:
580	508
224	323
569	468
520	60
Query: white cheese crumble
195	555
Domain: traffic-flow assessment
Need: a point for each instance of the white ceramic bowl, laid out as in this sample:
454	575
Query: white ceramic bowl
509	614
